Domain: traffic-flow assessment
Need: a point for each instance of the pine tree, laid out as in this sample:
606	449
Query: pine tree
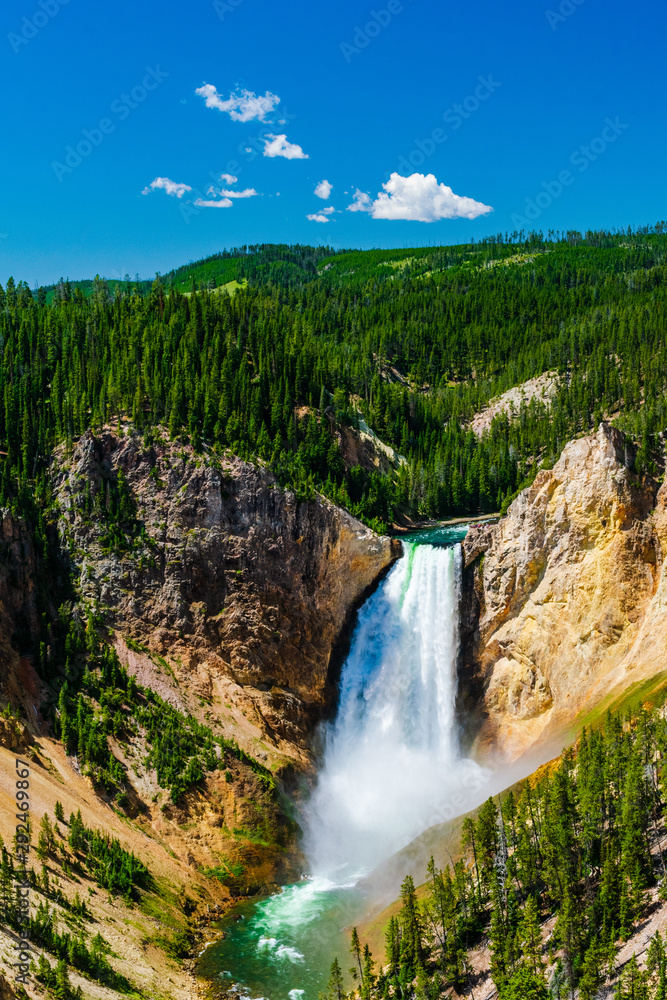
524	985
591	973
46	838
530	938
335	990
411	954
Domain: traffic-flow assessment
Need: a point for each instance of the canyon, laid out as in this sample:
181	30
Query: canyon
235	604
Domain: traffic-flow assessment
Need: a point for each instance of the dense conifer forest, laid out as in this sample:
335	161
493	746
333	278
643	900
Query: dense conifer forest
413	342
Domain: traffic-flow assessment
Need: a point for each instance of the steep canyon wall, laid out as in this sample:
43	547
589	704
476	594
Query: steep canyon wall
565	599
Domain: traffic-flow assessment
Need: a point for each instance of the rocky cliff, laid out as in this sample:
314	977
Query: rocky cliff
19	684
565	599
242	588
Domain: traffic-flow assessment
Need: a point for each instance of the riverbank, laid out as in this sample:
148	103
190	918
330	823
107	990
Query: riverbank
409	527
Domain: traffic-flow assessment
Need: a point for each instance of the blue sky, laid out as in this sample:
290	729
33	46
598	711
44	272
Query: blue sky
563	120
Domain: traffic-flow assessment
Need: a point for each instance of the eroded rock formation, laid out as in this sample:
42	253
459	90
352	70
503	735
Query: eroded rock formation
565	599
244	588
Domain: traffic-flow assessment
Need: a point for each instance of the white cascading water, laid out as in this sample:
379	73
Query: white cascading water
391	769
391	759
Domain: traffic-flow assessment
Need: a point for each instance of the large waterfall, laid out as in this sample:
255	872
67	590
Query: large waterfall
391	758
391	768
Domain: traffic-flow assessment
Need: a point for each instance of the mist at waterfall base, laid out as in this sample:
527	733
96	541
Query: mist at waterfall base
391	768
391	761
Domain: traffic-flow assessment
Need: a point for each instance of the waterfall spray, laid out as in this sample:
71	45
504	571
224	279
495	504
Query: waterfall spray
391	757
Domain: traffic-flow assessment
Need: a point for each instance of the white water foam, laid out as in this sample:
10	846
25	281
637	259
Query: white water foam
392	760
279	950
392	763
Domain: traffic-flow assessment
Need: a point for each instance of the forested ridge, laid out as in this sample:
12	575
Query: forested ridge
552	878
415	343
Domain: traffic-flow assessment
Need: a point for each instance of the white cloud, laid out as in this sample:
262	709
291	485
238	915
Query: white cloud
322	216
362	202
228	178
323	190
248	193
172	188
243	106
277	145
224	203
226	193
419	198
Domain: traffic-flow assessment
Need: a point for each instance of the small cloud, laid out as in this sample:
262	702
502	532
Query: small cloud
323	190
226	194
361	203
420	198
241	106
228	178
224	203
277	145
172	188
322	216
248	193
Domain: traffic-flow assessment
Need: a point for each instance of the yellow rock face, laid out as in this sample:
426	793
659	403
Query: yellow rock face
566	597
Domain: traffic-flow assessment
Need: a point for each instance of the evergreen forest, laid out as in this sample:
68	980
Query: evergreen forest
411	343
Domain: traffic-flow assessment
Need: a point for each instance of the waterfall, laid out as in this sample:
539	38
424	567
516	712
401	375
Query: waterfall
391	761
391	769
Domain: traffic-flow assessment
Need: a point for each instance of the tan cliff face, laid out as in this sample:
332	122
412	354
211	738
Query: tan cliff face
565	599
242	587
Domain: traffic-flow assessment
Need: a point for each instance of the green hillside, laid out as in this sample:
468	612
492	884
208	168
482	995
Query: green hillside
413	341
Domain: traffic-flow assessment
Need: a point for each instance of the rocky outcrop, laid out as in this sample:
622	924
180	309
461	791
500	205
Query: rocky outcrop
6	991
362	447
543	388
565	598
244	589
19	683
